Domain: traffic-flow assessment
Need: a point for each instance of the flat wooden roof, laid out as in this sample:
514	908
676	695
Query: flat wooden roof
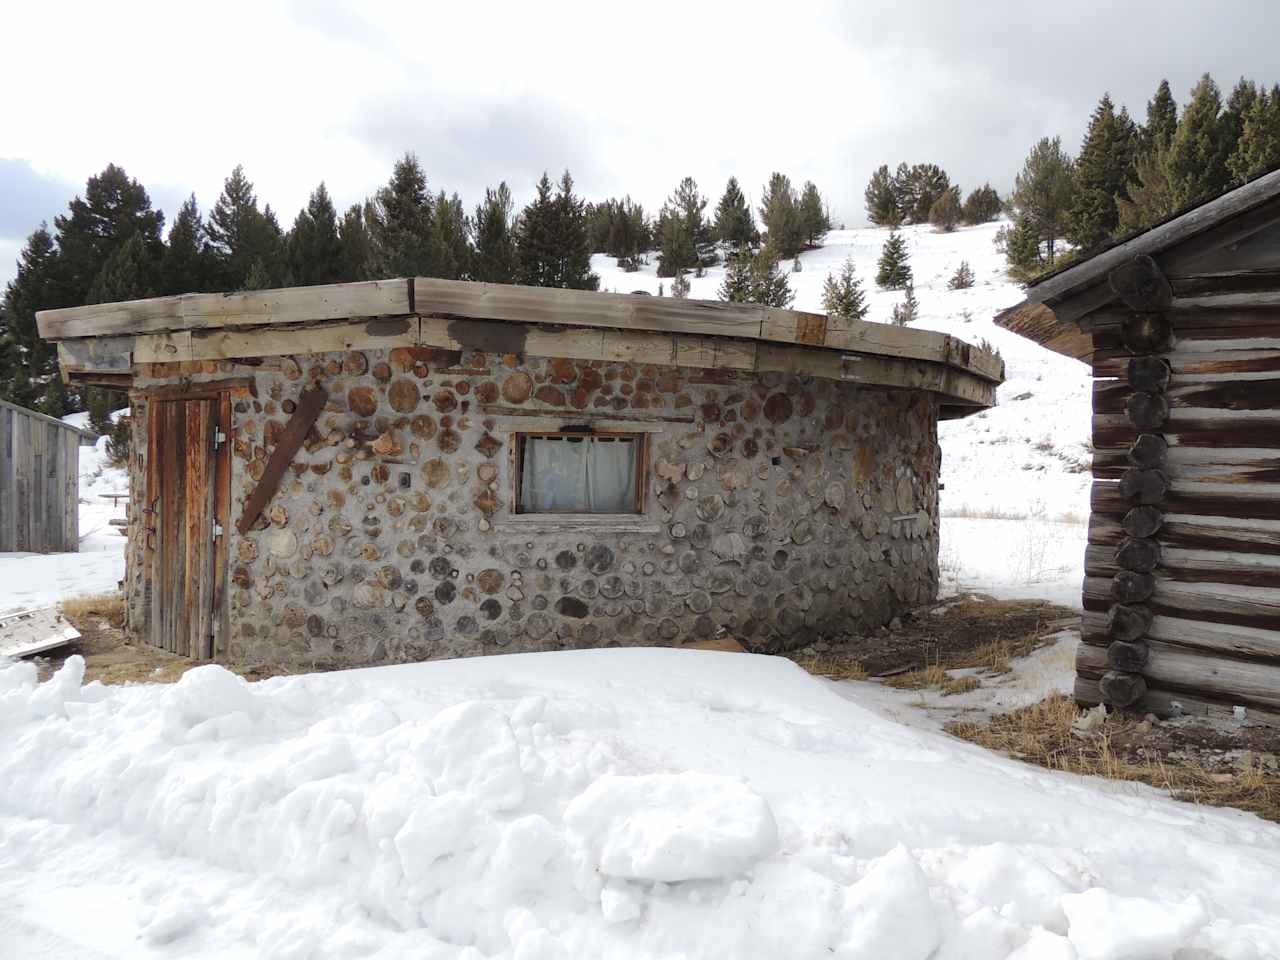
173	327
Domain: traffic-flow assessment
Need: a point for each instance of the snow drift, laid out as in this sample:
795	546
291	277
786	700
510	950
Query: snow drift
611	803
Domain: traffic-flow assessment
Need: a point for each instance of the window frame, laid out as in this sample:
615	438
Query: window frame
516	469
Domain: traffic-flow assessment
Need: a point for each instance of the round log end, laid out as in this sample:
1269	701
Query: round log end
1149	452
1122	689
1130	587
1147	411
1144	333
1127	657
1144	486
1141	556
1143	521
1126	622
1149	374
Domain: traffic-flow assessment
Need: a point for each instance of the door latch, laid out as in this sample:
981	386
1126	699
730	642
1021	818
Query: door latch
219	438
216	532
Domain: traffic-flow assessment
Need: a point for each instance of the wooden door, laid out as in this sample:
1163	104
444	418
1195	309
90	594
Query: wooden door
188	493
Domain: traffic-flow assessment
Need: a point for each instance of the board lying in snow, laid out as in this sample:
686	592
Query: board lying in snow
34	631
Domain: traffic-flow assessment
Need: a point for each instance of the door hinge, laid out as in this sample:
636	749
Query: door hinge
216	532
219	438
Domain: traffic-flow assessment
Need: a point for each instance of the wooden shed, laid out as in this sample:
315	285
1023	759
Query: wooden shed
39	482
1181	326
417	468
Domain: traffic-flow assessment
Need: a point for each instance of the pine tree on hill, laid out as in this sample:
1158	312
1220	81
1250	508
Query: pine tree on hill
904	199
696	248
1162	120
736	286
962	279
553	244
1231	124
400	219
734	225
128	274
906	311
945	212
313	250
451	240
1258	149
676	251
881	199
814	222
928	182
113	209
894	268
187	264
244	238
495	255
843	296
769	285
780	216
680	286
982	205
1043	193
1197	161
1103	170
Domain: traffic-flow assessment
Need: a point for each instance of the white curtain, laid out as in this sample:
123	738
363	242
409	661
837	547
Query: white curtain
578	475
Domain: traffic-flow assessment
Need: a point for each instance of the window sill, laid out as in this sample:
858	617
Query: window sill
577	522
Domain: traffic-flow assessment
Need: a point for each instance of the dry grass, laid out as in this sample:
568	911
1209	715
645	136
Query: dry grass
104	606
833	667
1042	734
957	685
931	676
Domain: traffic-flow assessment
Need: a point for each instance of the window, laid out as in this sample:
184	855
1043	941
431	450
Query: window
580	473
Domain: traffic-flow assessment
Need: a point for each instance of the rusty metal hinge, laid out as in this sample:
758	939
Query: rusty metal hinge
216	532
219	438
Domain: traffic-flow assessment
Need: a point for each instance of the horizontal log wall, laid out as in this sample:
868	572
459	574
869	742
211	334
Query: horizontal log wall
39	483
1182	571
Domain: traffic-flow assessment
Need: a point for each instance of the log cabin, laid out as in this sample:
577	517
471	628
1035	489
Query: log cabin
1181	328
416	468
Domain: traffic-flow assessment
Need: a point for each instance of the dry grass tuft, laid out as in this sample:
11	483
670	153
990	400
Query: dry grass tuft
104	606
931	676
833	667
1042	734
957	685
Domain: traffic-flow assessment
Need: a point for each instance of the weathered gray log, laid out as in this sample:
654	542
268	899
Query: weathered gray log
1147	411
1149	452
1144	486
1143	333
1141	284
1122	689
1142	522
1126	622
1140	556
1127	657
1149	373
1130	587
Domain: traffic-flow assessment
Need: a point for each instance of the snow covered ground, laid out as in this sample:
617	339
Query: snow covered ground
29	580
609	803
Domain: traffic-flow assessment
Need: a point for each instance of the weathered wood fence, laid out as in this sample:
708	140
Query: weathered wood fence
39	482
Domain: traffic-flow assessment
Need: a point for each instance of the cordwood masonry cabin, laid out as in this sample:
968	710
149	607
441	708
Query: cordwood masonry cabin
406	469
1181	326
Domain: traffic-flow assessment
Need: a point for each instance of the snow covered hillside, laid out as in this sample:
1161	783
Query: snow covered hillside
609	803
1027	457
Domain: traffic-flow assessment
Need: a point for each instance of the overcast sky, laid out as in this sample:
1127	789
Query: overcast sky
300	92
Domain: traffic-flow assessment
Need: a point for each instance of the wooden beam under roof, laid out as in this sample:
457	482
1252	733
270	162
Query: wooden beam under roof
183	320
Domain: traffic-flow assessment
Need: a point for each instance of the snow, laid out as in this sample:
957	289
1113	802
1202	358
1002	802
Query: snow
624	803
30	580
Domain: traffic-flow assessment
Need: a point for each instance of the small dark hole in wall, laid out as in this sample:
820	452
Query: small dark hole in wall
776	461
364	480
406	479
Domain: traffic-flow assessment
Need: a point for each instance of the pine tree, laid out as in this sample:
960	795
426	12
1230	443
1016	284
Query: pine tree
687	241
903	186
1231	124
769	285
736	286
680	286
894	267
780	216
113	209
1043	193
355	249
905	312
1258	149
676	251
451	240
734	225
1197	160
882	199
495	256
843	296
626	232
38	285
128	274
945	212
981	206
400	220
1162	121
1103	170
553	245
962	279
244	239
814	222
313	249
928	182
1021	246
187	264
